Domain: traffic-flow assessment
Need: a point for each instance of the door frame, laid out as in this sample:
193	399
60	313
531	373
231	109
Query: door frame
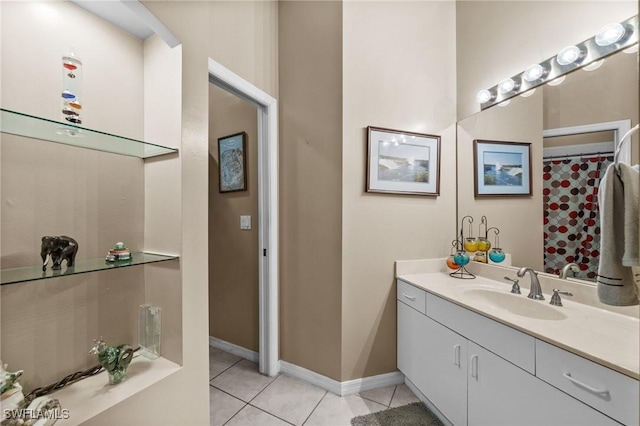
619	127
267	209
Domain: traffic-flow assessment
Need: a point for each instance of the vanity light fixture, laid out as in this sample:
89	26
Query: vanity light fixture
609	34
534	72
570	55
588	55
507	85
484	96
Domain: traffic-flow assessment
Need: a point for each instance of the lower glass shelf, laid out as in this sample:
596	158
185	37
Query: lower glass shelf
32	273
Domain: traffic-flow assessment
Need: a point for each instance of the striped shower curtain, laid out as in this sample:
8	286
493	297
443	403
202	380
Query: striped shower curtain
571	217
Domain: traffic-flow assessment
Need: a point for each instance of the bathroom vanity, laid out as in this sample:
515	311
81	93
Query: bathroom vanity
480	355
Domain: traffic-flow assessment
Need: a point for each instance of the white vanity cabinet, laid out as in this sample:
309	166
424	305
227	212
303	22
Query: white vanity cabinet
434	358
477	371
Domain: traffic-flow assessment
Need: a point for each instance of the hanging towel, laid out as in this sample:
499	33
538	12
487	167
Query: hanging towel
616	284
631	182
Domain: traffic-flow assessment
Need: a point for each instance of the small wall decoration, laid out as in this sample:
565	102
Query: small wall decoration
233	162
502	169
402	162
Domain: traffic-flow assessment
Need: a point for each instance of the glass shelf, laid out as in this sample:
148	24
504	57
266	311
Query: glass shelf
16	123
32	273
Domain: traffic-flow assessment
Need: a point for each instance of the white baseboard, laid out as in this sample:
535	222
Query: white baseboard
335	387
341	388
223	345
372	382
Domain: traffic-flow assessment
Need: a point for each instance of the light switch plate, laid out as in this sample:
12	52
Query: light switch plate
245	222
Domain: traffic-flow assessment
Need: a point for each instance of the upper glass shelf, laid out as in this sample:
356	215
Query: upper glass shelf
32	273
20	124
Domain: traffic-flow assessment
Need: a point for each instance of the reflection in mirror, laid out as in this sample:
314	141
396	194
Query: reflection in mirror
566	168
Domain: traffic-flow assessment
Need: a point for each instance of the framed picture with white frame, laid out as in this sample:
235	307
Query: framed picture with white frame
402	162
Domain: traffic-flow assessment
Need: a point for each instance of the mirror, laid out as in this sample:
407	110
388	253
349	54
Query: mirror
558	223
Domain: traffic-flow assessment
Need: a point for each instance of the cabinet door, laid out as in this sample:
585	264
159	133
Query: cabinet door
412	342
446	372
499	393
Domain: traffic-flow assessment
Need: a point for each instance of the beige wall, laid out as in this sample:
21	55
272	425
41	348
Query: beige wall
233	252
518	218
48	326
399	73
498	39
310	98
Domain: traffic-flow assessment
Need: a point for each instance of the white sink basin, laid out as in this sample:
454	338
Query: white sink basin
517	304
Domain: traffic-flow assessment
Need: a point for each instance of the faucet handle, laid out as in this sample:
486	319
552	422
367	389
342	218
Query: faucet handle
555	298
516	287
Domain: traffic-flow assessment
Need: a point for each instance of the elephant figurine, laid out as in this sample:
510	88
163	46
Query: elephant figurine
58	249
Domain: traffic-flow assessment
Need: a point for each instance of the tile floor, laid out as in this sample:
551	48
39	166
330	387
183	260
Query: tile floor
241	396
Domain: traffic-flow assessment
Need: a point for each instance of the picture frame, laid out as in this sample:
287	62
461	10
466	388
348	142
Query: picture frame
232	162
401	162
501	169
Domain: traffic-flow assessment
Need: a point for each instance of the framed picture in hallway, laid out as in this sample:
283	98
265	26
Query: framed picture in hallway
502	169
232	162
402	162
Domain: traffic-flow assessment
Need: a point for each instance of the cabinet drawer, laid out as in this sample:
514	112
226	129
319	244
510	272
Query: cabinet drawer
412	296
512	345
608	391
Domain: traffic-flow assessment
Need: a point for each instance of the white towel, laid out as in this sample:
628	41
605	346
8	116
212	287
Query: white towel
616	284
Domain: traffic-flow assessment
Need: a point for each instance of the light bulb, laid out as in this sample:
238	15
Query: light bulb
569	55
534	72
506	85
609	34
483	96
504	103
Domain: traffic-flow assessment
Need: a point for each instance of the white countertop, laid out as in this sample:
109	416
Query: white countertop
607	338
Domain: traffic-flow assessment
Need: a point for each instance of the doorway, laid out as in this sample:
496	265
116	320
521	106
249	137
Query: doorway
267	223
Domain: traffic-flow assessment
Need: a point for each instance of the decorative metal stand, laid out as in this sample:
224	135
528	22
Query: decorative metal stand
462	274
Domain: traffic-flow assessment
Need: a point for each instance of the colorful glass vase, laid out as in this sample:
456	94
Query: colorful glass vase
483	244
451	263
480	256
461	258
496	255
470	244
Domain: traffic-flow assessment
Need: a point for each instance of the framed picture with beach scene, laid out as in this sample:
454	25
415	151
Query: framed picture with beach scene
402	162
502	169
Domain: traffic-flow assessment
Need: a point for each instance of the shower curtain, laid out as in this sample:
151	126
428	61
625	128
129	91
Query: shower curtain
571	217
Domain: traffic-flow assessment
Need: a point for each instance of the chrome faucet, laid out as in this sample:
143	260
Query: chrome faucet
535	291
565	271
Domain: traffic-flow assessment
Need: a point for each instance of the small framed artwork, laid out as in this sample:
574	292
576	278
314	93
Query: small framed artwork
502	169
232	162
402	162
